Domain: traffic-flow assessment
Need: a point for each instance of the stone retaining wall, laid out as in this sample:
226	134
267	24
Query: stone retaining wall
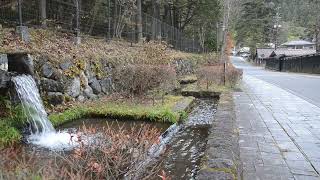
58	82
222	159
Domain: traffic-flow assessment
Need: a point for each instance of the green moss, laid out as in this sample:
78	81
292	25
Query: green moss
10	127
225	170
159	112
8	134
212	88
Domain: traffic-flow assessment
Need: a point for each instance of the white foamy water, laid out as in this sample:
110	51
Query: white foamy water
57	141
42	131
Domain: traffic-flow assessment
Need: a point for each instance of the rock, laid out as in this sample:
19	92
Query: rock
58	75
73	87
3	62
47	70
88	72
88	92
66	65
55	98
4	79
20	63
106	85
81	98
50	85
95	85
84	79
23	33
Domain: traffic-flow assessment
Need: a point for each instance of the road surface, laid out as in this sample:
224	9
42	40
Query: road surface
303	85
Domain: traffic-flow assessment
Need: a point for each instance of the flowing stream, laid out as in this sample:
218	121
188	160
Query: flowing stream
42	132
182	146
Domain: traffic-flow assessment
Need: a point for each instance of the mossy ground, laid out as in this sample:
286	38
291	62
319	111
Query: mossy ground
161	111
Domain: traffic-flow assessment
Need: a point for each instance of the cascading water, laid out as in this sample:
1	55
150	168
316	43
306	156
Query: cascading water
42	131
27	91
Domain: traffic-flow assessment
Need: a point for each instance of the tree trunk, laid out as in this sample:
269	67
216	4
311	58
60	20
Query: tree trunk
154	22
139	21
43	13
95	12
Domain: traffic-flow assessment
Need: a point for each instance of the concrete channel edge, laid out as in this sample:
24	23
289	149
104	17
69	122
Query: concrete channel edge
222	156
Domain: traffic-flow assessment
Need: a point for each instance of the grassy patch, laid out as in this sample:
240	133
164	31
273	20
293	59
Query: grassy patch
159	112
11	126
8	134
195	87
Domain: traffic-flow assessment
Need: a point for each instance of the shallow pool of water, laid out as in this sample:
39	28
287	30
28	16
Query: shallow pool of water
99	124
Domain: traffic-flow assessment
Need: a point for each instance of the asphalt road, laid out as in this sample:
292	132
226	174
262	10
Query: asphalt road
305	86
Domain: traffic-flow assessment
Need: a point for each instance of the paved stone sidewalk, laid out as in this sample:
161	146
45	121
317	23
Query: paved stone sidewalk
279	133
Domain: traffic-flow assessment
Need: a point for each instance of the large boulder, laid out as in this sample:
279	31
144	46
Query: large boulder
66	65
50	85
106	85
47	70
88	93
95	85
4	79
73	87
55	98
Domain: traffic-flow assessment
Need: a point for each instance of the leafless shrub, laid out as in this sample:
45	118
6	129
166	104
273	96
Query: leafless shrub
111	158
139	79
217	74
233	75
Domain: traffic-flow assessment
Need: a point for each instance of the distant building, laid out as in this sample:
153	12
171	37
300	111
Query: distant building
292	52
299	44
263	54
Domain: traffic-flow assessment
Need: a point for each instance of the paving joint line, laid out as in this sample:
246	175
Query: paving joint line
292	139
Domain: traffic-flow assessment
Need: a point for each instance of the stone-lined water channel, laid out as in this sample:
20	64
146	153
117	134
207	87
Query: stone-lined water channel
187	147
184	149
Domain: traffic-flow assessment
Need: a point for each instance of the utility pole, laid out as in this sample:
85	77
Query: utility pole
225	32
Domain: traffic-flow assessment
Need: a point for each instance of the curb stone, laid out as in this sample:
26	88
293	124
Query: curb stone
222	156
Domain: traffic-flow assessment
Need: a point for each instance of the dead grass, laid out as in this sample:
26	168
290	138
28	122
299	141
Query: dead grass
115	154
59	47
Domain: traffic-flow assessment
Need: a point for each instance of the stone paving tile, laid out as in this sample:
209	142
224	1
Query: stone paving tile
279	133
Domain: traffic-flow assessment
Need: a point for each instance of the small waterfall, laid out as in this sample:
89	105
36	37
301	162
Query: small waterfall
42	131
28	93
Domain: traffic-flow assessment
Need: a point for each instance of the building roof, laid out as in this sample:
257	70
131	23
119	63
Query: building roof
264	52
293	52
297	43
